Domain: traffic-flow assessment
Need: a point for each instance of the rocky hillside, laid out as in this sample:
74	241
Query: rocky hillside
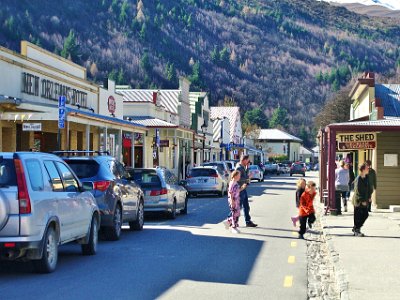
292	53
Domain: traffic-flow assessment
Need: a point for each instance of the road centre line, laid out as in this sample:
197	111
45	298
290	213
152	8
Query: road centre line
295	233
288	282
293	244
291	259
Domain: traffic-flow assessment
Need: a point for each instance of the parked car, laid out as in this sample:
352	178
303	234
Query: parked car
255	173
282	169
298	168
231	164
222	168
120	199
316	167
271	168
43	205
162	190
206	180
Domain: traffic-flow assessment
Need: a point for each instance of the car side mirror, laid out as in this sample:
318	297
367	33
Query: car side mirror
87	186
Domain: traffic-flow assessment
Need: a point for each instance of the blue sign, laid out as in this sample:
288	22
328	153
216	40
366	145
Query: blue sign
61	112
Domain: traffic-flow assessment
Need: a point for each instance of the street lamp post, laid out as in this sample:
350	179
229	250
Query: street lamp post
203	130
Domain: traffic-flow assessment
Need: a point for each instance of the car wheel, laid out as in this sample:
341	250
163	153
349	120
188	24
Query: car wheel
172	213
221	193
48	262
113	233
304	174
91	247
139	222
184	211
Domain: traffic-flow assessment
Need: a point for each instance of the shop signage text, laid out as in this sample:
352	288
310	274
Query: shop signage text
356	141
164	143
33	85
32	127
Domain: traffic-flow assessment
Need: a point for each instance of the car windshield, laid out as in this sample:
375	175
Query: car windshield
7	173
202	172
84	168
145	178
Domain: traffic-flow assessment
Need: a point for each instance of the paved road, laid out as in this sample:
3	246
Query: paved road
192	257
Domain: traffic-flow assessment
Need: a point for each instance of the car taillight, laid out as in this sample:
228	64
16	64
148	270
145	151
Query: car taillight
158	192
9	245
101	185
214	175
23	194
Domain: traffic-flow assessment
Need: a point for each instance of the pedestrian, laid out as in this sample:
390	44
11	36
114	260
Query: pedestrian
352	177
342	178
371	181
306	208
301	187
234	202
360	200
243	182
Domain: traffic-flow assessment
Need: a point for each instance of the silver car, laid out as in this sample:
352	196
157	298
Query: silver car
206	180
162	190
255	173
42	205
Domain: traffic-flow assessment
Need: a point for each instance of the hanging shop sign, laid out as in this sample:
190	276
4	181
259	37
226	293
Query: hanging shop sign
164	143
355	141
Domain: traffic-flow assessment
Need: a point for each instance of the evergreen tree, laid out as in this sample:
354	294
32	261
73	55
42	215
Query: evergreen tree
124	12
145	62
279	118
257	117
120	77
70	48
170	72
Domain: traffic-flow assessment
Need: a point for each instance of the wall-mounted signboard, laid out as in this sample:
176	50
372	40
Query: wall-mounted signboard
355	141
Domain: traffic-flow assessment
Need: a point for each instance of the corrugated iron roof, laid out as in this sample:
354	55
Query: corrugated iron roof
277	134
231	112
151	122
388	121
389	95
169	98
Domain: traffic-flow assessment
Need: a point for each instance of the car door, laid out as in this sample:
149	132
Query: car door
128	196
178	190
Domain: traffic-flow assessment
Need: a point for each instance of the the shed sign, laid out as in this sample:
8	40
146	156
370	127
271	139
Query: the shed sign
356	141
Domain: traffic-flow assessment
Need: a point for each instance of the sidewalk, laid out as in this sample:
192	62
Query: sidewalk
371	264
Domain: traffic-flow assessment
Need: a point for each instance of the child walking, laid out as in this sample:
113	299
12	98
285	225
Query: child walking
301	187
306	208
234	202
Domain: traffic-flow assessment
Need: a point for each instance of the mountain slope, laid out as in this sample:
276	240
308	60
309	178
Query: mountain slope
389	4
292	53
371	10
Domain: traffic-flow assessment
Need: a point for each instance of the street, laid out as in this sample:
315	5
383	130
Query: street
192	257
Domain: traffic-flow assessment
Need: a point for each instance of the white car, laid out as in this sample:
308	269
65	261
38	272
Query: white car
255	173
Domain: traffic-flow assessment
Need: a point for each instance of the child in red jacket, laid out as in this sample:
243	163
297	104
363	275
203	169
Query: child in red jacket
306	208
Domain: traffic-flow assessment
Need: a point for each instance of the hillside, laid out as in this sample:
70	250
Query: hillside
371	10
292	53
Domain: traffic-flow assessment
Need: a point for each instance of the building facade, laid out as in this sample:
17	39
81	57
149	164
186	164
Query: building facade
278	143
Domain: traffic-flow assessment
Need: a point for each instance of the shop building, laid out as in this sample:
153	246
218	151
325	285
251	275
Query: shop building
235	147
166	115
278	143
221	136
29	103
373	133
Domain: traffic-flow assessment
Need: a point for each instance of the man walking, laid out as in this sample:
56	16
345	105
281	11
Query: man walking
371	182
244	200
360	200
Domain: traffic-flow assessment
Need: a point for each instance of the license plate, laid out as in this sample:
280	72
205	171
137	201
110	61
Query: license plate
202	180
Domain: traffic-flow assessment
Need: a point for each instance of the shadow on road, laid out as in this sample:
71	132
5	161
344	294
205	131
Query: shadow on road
133	263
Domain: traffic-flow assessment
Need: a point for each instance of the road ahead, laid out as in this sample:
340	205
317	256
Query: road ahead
192	257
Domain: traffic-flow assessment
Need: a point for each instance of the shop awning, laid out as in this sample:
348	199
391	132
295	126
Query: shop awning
102	118
150	122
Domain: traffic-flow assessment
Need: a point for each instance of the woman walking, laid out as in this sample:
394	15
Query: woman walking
361	198
234	202
306	208
342	178
301	187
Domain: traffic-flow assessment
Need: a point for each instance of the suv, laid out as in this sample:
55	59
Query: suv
162	191
118	197
42	205
298	168
204	180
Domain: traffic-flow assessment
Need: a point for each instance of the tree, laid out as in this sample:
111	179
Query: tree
145	62
214	55
257	117
93	69
70	48
120	77
279	118
124	12
195	78
335	110
224	55
170	72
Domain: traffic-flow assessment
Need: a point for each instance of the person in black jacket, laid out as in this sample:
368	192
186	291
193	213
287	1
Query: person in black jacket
352	177
360	200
